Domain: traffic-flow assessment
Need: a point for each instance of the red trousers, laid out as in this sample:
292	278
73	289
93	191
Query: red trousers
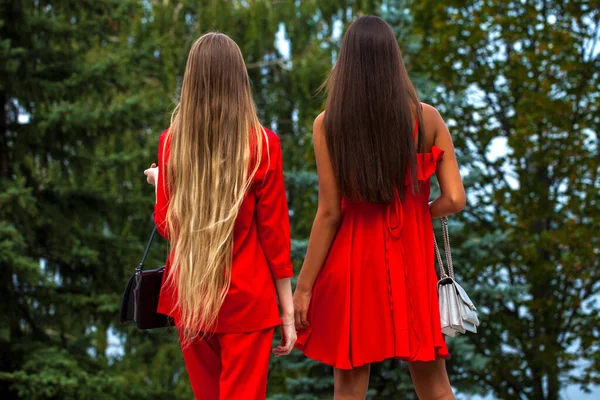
229	366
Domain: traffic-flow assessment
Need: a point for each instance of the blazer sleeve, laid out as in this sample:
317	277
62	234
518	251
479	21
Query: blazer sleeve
162	188
273	215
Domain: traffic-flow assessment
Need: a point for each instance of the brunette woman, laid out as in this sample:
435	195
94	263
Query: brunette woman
367	289
221	202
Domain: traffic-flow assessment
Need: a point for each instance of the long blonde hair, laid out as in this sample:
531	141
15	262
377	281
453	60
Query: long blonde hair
214	136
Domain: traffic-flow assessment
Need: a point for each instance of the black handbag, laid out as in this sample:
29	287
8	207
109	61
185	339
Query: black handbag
140	299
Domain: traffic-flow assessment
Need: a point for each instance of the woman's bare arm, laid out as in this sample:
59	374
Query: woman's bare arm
325	225
452	198
288	330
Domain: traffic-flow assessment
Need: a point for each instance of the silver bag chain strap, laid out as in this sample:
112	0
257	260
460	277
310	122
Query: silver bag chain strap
447	251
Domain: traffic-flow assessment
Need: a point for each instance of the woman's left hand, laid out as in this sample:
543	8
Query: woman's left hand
152	174
288	339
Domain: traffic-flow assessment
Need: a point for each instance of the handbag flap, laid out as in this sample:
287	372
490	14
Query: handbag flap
468	314
147	296
445	281
464	296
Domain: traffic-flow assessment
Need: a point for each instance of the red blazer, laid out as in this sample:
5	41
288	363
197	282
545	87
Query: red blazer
261	252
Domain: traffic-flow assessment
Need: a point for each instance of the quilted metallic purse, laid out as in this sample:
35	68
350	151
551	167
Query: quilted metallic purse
457	312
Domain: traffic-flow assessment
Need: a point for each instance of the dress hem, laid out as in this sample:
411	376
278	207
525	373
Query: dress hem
400	358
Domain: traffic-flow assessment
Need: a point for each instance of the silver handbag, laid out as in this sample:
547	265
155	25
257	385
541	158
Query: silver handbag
457	312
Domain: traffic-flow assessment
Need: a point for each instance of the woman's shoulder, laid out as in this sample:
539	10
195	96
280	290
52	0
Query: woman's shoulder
318	124
430	112
432	122
431	116
271	143
320	118
318	130
271	138
270	149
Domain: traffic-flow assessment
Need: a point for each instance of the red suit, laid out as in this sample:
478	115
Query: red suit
233	362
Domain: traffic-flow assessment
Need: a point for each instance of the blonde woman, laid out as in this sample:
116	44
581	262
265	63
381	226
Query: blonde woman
221	202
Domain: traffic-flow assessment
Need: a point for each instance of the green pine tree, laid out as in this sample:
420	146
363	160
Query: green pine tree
79	105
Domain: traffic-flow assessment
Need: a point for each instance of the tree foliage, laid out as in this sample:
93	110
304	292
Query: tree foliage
520	81
79	105
89	85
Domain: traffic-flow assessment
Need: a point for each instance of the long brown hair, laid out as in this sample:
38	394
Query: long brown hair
213	129
370	114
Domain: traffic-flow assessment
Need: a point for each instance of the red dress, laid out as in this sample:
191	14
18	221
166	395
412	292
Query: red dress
261	241
375	297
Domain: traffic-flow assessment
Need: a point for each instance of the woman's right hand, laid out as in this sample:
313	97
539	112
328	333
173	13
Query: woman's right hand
151	174
301	304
